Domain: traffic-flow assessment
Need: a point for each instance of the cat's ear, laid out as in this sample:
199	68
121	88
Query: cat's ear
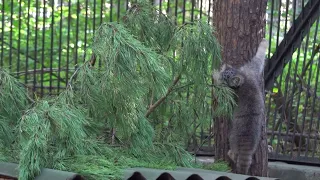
216	77
236	81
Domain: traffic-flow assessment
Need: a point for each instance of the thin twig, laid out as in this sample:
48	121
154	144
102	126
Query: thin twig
75	73
155	105
151	99
45	70
72	77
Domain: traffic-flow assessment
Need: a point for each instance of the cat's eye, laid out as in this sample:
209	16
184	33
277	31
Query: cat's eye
236	80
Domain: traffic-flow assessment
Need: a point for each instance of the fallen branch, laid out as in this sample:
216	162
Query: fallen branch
155	105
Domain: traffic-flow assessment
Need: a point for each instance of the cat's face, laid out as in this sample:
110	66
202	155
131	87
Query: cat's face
231	77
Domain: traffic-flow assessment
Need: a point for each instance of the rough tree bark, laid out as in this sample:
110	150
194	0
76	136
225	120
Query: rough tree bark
240	28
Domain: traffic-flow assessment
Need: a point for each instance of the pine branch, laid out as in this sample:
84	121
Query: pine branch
151	26
156	104
56	127
14	100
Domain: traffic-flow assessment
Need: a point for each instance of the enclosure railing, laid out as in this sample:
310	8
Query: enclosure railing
292	79
43	41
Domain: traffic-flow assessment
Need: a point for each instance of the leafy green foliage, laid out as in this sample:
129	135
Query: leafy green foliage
150	26
13	96
129	59
147	93
50	131
222	94
13	100
188	50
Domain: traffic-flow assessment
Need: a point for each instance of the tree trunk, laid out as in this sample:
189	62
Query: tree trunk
240	28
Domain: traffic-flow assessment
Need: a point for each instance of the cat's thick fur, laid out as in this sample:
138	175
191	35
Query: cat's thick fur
247	119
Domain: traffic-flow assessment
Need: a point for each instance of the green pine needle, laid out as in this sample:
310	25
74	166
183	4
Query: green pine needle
199	47
13	101
150	26
51	130
128	60
225	98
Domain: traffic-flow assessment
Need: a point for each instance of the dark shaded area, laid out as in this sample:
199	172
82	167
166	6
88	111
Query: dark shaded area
136	176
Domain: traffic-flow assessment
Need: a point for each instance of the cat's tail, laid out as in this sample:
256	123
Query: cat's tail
244	160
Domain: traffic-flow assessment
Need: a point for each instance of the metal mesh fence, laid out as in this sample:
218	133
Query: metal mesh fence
293	100
43	41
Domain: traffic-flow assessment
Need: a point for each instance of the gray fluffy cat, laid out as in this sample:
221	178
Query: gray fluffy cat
246	129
